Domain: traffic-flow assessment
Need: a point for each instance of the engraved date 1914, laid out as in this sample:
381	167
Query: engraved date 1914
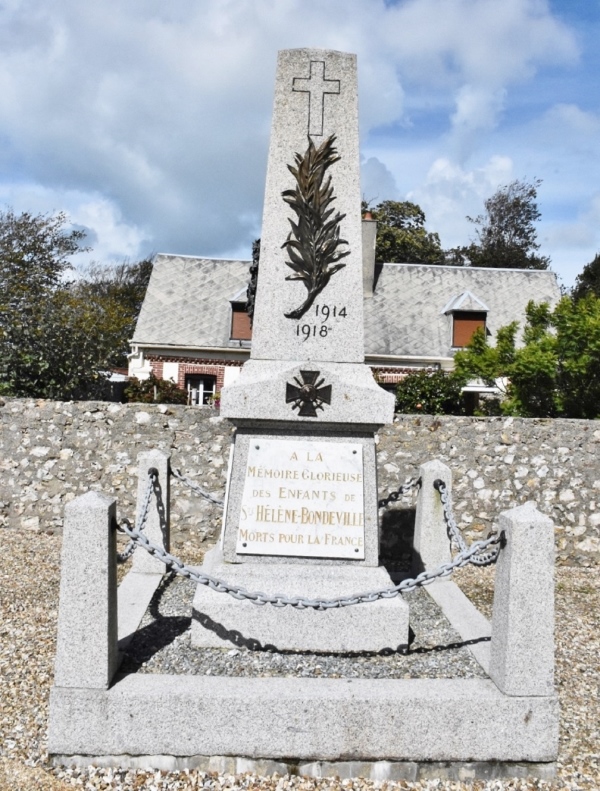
323	313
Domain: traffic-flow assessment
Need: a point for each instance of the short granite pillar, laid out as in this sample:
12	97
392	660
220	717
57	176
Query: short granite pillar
431	543
157	527
86	652
522	647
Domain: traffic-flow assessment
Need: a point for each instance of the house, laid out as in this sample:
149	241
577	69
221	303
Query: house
193	327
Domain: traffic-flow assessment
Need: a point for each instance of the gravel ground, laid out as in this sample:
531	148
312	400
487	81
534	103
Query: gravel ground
435	652
29	581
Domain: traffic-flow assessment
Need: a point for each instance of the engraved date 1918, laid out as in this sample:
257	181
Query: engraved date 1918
322	313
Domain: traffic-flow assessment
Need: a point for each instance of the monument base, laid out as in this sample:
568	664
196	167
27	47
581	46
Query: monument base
219	620
303	720
413	771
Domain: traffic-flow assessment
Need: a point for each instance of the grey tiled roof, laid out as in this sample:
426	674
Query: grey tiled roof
405	317
188	303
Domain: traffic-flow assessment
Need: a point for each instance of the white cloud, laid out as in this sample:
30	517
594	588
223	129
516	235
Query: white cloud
480	42
450	193
377	182
476	114
111	238
116	240
157	114
575	243
567	126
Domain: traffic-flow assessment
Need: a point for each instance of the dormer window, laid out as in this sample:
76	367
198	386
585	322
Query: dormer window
241	329
468	314
464	325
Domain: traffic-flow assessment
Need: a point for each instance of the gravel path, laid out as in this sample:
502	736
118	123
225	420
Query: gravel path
29	580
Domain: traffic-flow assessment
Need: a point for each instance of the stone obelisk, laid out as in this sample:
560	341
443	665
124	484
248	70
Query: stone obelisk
302	489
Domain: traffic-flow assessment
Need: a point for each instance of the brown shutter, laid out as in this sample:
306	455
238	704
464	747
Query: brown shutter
240	323
465	324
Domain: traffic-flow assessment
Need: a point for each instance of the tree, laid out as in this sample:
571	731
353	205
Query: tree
38	326
430	393
576	326
556	372
116	293
401	235
506	234
588	282
59	355
479	360
34	254
59	338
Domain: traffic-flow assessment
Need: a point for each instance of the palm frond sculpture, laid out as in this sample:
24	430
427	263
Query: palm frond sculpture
313	245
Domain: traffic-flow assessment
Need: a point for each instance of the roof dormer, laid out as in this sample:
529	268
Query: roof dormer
241	326
469	313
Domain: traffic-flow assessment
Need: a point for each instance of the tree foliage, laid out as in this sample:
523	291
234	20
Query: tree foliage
430	393
588	282
34	254
115	293
40	328
556	372
59	338
402	237
506	232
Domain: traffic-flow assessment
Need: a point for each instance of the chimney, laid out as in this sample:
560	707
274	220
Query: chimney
369	233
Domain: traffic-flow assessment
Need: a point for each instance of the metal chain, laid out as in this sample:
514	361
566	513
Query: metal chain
392	497
141	518
409	485
298	602
202	492
454	534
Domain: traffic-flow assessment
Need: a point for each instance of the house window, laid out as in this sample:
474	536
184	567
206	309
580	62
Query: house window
465	322
241	329
200	389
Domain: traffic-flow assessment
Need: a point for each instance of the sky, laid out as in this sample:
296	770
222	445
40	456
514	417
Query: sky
147	121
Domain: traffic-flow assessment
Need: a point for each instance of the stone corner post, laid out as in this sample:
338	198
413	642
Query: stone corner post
86	652
431	543
522	647
157	527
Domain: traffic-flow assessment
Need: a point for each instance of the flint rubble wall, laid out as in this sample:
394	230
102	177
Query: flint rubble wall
50	452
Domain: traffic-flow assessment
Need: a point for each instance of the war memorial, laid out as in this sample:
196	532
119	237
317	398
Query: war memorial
298	566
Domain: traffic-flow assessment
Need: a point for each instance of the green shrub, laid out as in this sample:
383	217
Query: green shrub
489	406
430	393
154	391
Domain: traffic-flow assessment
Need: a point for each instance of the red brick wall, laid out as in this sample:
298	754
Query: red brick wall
157	368
206	366
195	368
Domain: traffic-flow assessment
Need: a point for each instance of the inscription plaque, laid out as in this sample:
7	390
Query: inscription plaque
303	499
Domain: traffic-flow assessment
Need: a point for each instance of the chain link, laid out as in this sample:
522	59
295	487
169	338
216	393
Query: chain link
454	534
202	492
281	600
142	516
408	486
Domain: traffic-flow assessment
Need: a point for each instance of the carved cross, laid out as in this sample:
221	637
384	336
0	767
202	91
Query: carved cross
316	86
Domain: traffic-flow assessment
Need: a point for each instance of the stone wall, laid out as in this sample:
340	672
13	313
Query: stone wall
498	463
51	451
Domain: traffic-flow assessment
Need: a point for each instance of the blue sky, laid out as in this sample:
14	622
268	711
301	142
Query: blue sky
148	122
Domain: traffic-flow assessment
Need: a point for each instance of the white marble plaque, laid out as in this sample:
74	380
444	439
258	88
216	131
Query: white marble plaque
304	499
